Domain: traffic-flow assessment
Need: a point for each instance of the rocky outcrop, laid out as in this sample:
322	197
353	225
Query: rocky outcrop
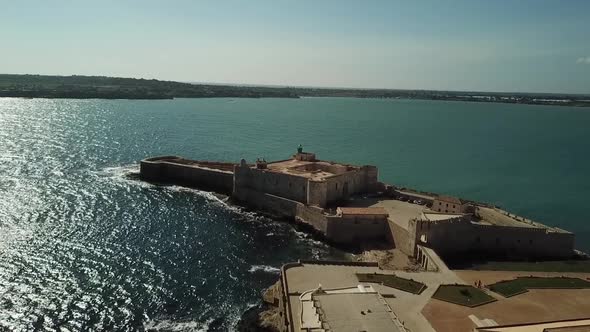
267	316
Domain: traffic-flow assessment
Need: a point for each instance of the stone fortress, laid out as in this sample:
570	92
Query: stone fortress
349	206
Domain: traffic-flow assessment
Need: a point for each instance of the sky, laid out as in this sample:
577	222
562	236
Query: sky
491	45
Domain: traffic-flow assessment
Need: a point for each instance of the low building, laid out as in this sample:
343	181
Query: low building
349	309
448	204
327	296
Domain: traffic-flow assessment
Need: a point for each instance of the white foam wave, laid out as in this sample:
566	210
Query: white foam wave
264	268
306	237
122	174
169	325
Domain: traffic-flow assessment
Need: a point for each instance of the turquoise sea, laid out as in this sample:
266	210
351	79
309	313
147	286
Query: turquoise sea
84	247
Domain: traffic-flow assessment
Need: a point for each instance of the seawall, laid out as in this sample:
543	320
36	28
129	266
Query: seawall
213	176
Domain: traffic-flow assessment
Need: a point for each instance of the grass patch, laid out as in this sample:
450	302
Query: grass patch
464	295
521	285
390	280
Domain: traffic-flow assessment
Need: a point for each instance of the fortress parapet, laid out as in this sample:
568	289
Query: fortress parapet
207	175
490	232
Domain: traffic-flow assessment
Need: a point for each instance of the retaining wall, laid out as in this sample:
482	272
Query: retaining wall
354	230
400	238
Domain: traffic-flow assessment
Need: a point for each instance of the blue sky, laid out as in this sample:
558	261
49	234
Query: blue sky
535	46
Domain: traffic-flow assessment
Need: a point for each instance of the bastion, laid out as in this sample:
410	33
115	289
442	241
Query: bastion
348	205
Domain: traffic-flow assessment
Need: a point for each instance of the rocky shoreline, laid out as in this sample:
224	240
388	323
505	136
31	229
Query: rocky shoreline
264	317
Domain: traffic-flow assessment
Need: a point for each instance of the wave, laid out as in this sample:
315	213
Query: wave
169	325
264	268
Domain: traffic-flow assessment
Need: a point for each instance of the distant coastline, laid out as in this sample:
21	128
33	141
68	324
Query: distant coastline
102	87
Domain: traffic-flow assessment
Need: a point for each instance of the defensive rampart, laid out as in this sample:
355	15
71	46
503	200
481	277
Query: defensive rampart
308	190
214	176
461	235
400	237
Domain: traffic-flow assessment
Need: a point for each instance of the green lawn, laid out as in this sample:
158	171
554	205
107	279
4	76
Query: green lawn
522	284
465	295
392	281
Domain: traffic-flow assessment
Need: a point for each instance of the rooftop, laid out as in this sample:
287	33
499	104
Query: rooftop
433	216
448	199
353	312
343	304
314	170
362	211
399	212
498	217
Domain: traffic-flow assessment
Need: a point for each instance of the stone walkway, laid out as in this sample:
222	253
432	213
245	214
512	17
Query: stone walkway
408	306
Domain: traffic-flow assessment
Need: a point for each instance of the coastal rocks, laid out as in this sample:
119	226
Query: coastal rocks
266	316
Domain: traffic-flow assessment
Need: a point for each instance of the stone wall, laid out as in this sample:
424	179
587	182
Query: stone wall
339	187
317	193
336	229
280	184
353	230
313	216
165	169
461	235
267	202
358	181
400	238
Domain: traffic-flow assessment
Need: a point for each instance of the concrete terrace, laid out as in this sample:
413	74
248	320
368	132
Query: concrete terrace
420	312
400	212
406	306
499	217
315	170
356	312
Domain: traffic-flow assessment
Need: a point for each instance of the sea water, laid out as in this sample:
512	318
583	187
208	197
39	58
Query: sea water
83	246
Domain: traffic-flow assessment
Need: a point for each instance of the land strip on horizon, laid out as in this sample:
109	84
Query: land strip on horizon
103	87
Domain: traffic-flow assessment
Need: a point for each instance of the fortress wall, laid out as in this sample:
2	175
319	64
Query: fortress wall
335	187
458	236
400	238
314	217
283	207
266	202
353	230
413	236
371	181
280	184
149	170
355	181
187	175
316	193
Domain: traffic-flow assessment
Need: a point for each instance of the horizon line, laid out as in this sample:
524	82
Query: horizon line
308	86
